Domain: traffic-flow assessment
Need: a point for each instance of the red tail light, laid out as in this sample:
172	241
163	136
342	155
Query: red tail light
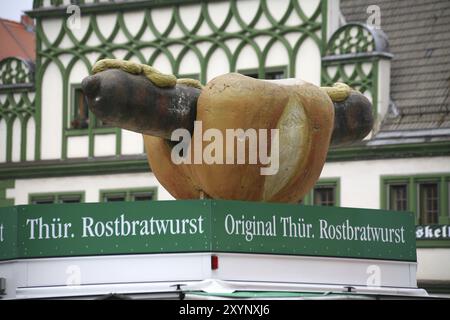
214	262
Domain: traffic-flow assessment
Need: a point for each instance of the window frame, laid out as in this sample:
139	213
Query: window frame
56	196
90	132
129	193
413	183
261	72
389	188
322	183
74	108
92	127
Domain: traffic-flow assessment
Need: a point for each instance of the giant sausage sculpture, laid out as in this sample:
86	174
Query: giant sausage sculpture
304	118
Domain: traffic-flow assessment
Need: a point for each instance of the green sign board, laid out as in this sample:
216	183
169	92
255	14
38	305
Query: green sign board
204	226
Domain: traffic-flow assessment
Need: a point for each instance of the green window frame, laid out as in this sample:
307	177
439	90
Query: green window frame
195	76
324	185
79	112
57	197
135	194
92	129
86	121
415	192
262	73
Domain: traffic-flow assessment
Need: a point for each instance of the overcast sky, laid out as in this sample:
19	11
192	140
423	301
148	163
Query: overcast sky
12	9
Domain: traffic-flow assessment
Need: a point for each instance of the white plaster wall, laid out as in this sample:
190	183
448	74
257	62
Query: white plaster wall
175	50
120	53
104	145
65	59
162	18
106	23
218	12
433	264
384	86
82	28
189	15
132	142
277	55
278	8
360	180
247	59
31	139
78	147
2	140
162	63
309	6
334	16
51	28
120	38
16	141
190	63
147	51
90	184
218	65
308	62
247	10
134	20
52	122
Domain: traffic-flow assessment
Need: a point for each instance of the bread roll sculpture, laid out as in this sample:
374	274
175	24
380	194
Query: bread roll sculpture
307	118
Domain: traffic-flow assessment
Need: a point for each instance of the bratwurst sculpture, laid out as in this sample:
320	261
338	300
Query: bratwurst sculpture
307	118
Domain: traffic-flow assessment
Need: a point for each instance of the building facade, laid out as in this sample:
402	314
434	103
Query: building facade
53	150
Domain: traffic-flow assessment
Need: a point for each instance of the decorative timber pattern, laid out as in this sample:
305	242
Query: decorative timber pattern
200	40
57	3
14	71
17	112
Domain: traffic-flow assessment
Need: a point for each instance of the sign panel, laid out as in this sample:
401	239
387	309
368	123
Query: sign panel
433	232
204	226
106	228
313	230
8	233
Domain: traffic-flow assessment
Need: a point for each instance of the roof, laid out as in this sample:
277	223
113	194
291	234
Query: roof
419	39
19	39
215	289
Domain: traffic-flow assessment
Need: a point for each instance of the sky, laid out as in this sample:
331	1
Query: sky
12	9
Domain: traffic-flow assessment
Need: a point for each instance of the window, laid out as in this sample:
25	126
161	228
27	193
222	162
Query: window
324	193
80	111
43	200
142	196
274	75
425	195
114	197
398	198
128	195
56	198
81	117
428	203
271	73
324	196
70	199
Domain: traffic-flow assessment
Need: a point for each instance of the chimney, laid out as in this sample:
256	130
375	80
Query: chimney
27	22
